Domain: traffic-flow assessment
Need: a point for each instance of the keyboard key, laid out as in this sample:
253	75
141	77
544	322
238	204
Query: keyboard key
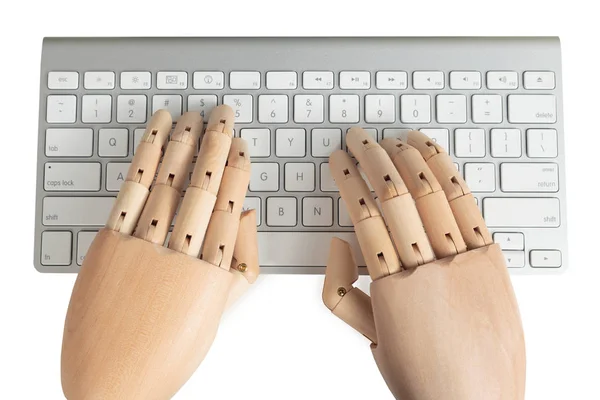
532	109
355	80
209	80
415	108
282	211
542	80
84	241
69	142
299	177
244	80
487	109
469	143
529	177
273	109
521	212
176	80
325	141
438	135
290	142
96	109
502	80
259	141
282	80
170	102
116	172
465	80
63	80
99	80
343	216
253	203
327	182
545	258
506	142
480	177
397	80
451	108
344	108
542	143
317	211
61	109
428	80
74	177
308	109
136	80
56	248
202	103
113	142
57	211
396	133
242	107
317	80
131	109
264	177
510	240
380	108
514	259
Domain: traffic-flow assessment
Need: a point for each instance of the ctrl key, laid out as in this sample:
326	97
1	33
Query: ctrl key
56	248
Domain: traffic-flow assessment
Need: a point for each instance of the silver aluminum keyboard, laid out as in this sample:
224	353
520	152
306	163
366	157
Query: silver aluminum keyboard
494	103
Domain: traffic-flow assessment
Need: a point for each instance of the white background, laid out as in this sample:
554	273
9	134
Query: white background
280	342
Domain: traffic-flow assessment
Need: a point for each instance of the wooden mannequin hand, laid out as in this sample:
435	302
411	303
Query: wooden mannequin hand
442	317
142	316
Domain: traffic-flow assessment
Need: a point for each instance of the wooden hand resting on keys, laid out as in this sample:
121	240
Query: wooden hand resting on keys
142	316
442	317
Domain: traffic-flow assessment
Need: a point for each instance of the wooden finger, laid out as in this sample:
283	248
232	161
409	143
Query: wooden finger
155	220
134	191
375	243
466	213
397	204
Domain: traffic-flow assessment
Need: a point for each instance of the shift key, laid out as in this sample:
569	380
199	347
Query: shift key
66	211
521	212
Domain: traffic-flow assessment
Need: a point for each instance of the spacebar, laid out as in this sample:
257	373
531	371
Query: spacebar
309	249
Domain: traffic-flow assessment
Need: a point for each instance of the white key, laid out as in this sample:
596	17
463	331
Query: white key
545	258
317	80
487	108
502	80
529	177
469	143
137	138
506	142
84	241
542	143
355	80
99	80
242	107
57	211
244	80
543	80
136	80
96	109
113	142
282	211
61	109
170	102
325	141
253	203
116	172
259	141
343	216
290	142
327	182
514	259
397	80
510	240
465	80
131	109
451	108
344	108
282	80
202	103
396	133
532	109
273	109
440	136
74	177
428	80
56	248
299	177
69	142
308	108
317	211
176	80
415	108
521	212
63	80
480	177
380	108
264	177
209	80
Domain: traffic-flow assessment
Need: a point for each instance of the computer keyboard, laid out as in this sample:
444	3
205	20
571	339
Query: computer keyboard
495	104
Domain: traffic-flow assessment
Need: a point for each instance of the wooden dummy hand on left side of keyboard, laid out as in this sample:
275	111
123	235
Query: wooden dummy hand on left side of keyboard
143	316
